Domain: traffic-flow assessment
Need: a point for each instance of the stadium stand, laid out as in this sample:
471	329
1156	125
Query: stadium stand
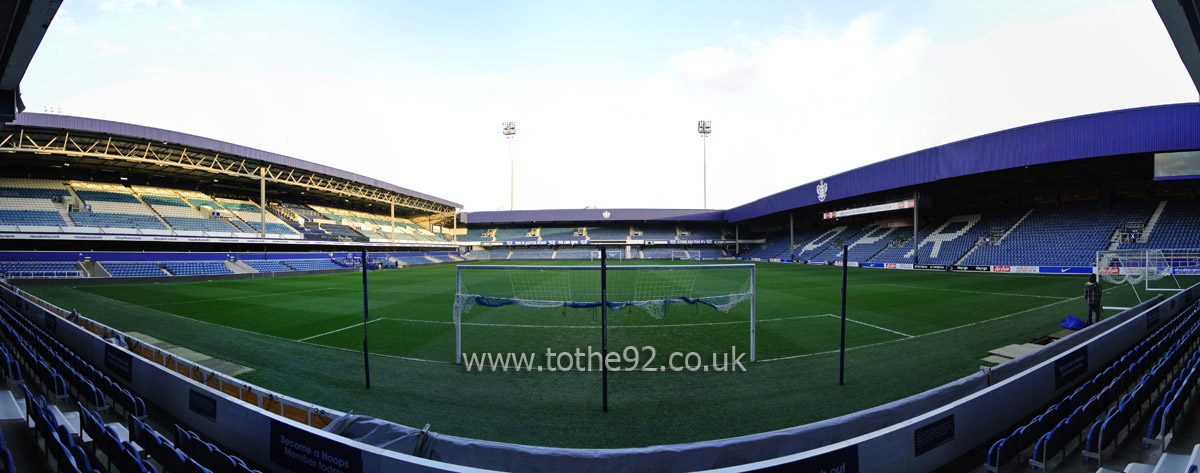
478	234
112	206
179	213
85	421
654	232
575	252
774	247
122	269
300	211
607	233
377	226
516	234
413	260
660	252
706	253
29	217
531	253
1102	405
1174	227
34	202
700	232
339	230
1067	234
40	269
266	266
778	245
251	214
193	268
561	233
310	264
830	239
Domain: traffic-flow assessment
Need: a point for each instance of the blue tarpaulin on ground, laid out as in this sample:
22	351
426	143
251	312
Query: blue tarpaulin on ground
1073	323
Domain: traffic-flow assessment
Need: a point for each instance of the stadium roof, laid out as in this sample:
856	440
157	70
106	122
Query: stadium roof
591	215
164	147
1182	19
23	23
1122	132
1109	134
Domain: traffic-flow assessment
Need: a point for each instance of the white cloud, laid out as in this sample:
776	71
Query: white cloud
812	104
1020	73
126	4
67	24
106	49
712	67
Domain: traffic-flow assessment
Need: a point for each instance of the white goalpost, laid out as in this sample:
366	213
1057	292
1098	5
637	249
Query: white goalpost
613	254
680	255
652	288
1143	267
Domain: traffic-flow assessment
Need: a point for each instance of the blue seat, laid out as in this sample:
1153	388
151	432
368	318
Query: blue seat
81	458
7	460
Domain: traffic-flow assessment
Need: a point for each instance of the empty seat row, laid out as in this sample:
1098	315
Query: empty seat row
1075	414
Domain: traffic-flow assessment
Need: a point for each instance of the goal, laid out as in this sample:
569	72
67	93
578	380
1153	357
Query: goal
1147	267
652	288
613	254
681	255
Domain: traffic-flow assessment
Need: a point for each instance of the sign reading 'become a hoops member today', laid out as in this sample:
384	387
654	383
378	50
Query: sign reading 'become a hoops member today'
301	451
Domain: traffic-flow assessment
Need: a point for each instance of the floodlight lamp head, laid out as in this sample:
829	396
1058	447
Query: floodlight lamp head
510	128
704	127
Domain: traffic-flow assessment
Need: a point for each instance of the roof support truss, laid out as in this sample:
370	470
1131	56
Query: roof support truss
120	149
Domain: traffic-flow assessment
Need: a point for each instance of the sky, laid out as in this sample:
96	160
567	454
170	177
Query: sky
605	95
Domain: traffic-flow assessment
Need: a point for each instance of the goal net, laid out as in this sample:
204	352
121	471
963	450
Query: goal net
1147	266
681	255
652	288
613	254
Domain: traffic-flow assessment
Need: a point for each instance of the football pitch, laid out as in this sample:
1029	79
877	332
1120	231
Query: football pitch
906	332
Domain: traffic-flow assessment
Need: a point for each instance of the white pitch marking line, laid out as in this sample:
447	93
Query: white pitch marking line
902	334
305	339
276	337
975	292
249	296
827	352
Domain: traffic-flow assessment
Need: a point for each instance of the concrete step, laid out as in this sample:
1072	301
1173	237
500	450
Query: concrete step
1171	463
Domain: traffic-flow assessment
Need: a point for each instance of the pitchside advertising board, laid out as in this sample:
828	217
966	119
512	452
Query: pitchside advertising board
1015	269
843	460
586	242
997	268
304	452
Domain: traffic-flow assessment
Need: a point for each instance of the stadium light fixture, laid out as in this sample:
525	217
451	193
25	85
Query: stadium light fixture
705	128
510	129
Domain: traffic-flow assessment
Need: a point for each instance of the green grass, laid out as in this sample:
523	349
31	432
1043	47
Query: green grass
910	331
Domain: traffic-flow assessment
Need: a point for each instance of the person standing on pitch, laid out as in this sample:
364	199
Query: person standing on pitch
1092	293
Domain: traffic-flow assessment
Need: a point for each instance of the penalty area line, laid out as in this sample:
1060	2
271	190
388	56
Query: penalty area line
902	334
946	289
886	342
305	339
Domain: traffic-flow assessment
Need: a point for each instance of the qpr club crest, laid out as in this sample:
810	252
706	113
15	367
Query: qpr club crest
822	189
606	214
